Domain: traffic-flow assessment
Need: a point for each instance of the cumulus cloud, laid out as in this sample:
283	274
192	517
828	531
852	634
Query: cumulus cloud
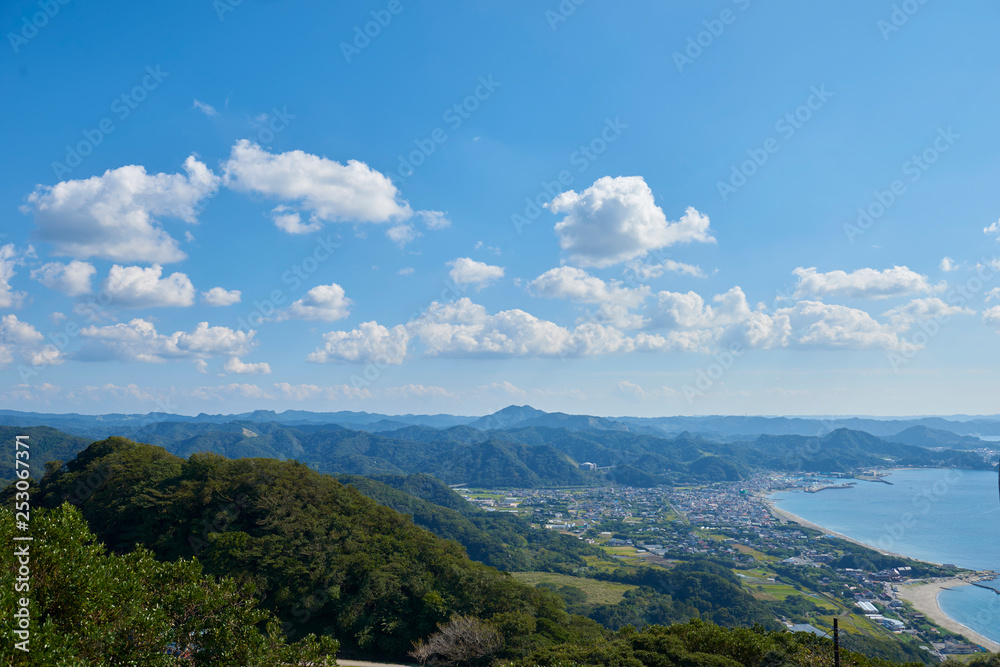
614	299
814	324
948	264
234	366
993	294
466	271
71	279
116	215
218	296
9	258
328	190
325	303
676	310
901	318
369	343
290	221
137	287
21	339
617	219
863	283
463	329
138	340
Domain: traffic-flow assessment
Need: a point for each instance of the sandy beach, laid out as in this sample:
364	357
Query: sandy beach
923	596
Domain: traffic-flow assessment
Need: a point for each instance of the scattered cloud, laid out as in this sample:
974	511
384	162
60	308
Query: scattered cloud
21	339
138	340
576	285
435	219
328	190
993	230
116	215
402	234
206	109
136	287
617	219
290	221
308	392
325	303
218	296
234	366
991	317
901	318
466	271
369	343
71	279
643	271
9	258
948	264
863	283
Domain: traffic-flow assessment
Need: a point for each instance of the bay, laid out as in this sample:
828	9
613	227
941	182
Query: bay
940	516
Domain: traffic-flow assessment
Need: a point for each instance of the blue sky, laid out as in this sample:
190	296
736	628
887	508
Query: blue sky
615	208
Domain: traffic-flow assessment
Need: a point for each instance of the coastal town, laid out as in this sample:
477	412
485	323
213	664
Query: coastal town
816	575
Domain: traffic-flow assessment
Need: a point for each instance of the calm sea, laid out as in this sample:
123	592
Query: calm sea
941	516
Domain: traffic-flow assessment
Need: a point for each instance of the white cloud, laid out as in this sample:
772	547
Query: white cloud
629	389
991	317
291	221
234	366
617	219
435	219
218	296
324	302
993	294
643	271
402	234
863	283
19	338
901	318
993	229
466	271
115	216
813	324
136	287
405	271
138	340
370	342
328	190
206	109
463	329
71	279
675	310
504	388
948	264
9	258
615	300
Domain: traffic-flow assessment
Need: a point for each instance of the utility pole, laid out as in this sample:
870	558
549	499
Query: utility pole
836	643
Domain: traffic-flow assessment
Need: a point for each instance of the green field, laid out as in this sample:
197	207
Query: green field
597	592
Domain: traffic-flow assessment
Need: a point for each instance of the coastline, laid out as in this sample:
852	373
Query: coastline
788	516
922	594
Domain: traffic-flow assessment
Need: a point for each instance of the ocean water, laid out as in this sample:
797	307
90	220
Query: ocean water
941	516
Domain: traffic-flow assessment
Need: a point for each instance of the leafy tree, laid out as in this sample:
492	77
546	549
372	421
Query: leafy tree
91	608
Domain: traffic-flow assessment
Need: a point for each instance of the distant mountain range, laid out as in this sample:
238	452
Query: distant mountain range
516	447
923	431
